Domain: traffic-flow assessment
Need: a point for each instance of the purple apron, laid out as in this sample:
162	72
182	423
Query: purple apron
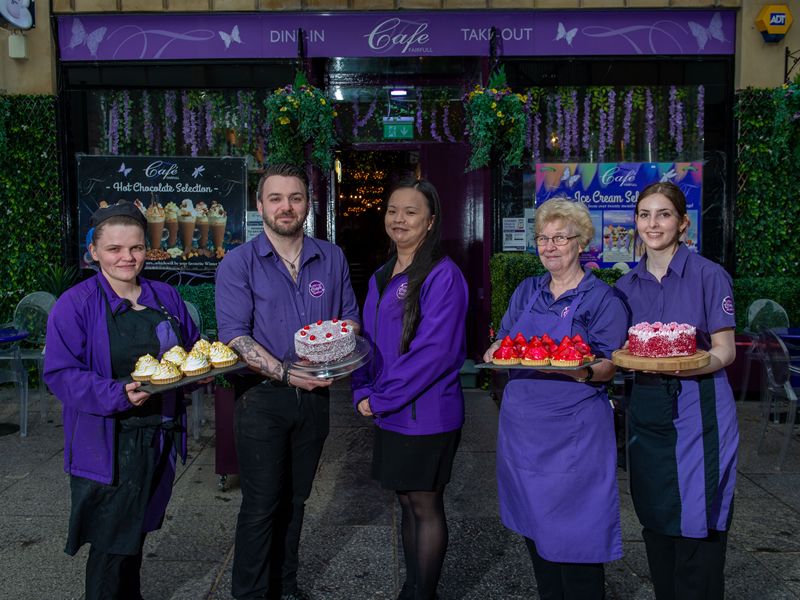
557	456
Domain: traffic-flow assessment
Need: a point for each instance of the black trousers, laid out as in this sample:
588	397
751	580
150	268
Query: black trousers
567	581
279	434
113	576
687	568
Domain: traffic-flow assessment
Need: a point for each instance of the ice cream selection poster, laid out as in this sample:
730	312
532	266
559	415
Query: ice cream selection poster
194	207
609	191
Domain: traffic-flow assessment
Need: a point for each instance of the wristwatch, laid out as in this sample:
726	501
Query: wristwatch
589	375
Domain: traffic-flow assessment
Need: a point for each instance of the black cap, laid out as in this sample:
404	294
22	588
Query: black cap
123	208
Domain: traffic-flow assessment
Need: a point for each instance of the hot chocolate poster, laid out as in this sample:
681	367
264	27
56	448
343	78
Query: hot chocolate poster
194	207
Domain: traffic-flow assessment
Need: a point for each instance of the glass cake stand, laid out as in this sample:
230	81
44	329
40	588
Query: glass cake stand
360	356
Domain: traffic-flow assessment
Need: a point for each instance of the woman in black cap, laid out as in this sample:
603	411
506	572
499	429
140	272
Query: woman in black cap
120	443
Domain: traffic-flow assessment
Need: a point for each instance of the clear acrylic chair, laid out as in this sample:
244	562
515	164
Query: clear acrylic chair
776	388
13	371
31	315
762	314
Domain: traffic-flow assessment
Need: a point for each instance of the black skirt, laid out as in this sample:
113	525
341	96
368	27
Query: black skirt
414	462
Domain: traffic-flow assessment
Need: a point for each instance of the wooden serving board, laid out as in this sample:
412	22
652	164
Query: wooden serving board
623	358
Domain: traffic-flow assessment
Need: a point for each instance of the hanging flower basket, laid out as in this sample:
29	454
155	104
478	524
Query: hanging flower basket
495	121
297	115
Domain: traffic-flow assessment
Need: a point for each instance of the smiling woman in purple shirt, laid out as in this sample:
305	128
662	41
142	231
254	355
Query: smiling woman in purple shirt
415	316
683	434
120	443
556	449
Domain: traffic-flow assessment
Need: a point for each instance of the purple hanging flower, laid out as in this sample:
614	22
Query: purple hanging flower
649	119
187	120
574	127
170	120
126	114
147	118
537	124
672	95
446	123
601	150
586	114
559	119
113	133
612	97
528	121
548	142
434	134
419	112
209	125
193	131
679	126
626	119
701	107
359	123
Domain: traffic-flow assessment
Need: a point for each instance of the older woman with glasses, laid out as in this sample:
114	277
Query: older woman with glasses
556	448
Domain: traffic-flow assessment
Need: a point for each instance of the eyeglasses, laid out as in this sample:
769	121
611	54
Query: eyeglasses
558	240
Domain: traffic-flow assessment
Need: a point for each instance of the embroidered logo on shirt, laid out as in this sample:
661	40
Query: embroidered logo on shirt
565	312
727	305
402	290
316	288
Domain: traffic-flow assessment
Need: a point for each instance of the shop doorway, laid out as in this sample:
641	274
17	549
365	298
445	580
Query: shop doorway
365	178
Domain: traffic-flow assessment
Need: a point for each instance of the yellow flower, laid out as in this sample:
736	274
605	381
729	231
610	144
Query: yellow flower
500	113
494	104
283	120
322	101
494	90
284	108
335	114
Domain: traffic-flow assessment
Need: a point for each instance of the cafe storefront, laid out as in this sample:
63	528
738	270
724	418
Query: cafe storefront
611	87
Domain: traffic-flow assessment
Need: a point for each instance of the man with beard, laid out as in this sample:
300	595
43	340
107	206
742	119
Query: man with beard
267	289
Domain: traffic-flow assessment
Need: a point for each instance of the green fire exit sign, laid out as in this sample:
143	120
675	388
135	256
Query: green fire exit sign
398	128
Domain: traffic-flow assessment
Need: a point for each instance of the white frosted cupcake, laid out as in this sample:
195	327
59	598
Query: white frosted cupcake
222	355
167	373
146	367
195	363
175	355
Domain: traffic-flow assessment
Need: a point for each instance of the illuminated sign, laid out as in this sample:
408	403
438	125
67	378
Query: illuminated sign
773	21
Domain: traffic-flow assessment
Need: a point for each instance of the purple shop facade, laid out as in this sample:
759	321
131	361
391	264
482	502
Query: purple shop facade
248	36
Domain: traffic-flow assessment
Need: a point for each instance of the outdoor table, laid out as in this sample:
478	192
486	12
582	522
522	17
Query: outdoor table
9	350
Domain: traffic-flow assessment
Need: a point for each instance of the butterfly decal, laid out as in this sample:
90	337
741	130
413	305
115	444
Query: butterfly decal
668	176
703	34
233	36
17	13
92	40
565	34
125	171
198	171
570	179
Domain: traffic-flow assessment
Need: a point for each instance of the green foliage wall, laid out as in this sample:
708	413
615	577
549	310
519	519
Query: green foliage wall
202	296
30	197
767	216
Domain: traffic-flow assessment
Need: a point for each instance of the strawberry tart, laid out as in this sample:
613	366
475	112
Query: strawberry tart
507	353
325	341
662	340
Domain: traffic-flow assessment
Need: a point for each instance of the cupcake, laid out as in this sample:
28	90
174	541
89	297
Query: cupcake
222	356
195	363
175	355
202	346
146	367
167	373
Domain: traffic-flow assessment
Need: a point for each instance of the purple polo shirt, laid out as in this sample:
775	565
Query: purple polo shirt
256	296
694	290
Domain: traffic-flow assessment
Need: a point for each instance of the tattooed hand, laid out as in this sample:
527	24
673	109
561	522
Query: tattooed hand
257	357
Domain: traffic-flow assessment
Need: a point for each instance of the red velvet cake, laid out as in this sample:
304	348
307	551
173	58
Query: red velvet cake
662	340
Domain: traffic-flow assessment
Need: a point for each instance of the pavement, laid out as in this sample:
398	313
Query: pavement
350	547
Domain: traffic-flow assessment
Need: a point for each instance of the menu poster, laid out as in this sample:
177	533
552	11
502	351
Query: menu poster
195	207
610	191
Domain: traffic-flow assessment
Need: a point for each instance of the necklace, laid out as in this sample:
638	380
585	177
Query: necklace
291	263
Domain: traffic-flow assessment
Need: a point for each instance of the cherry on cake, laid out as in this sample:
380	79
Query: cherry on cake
325	341
662	340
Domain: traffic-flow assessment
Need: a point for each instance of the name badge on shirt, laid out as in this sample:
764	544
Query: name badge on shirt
316	288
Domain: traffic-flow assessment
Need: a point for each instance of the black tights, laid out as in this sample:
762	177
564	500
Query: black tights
425	538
